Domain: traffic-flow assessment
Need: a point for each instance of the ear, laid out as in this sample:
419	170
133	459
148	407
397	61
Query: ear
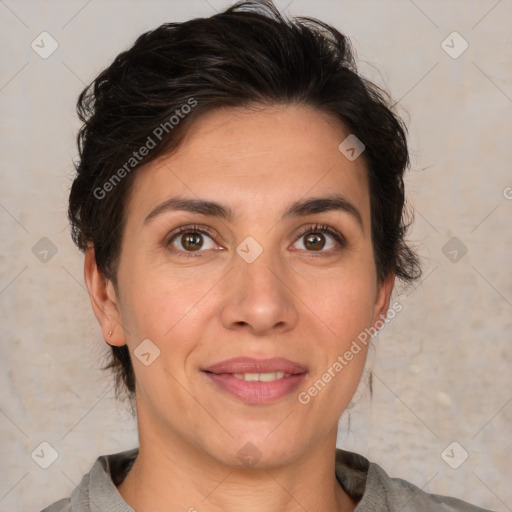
382	300
104	301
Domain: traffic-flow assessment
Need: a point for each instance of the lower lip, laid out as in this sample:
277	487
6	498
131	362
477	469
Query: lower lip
257	392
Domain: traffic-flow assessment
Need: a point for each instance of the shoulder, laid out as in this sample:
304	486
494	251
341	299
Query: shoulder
407	497
59	506
376	491
98	486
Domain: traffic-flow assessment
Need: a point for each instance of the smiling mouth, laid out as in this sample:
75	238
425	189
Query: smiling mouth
261	377
256	381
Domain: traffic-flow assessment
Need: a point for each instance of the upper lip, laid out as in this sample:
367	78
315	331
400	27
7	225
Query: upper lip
253	365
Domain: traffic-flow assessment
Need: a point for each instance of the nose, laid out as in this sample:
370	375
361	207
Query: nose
258	297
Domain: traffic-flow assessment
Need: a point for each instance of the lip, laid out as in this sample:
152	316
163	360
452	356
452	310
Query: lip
256	392
253	365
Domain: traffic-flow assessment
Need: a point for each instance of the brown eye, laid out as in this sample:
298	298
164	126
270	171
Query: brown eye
314	241
321	238
190	240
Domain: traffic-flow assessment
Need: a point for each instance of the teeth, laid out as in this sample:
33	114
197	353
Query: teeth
262	377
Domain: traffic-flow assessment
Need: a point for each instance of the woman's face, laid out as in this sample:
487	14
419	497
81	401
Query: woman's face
248	284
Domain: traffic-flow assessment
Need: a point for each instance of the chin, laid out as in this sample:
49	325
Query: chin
257	450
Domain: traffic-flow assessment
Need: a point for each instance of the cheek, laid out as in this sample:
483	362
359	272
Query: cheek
343	301
344	304
163	301
351	308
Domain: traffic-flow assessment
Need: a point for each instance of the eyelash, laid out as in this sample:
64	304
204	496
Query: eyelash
316	228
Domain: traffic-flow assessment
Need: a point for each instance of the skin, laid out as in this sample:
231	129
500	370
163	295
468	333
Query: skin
293	301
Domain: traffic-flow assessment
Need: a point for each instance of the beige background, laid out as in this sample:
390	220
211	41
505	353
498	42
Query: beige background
442	367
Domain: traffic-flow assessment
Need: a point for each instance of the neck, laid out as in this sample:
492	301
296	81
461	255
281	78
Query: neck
172	476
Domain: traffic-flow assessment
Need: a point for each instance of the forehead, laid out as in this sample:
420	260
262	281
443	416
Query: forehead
254	158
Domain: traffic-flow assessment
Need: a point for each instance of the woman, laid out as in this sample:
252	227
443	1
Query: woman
239	199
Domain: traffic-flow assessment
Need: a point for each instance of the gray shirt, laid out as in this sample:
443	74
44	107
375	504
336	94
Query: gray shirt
364	481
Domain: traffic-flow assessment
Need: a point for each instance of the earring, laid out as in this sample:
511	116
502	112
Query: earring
110	333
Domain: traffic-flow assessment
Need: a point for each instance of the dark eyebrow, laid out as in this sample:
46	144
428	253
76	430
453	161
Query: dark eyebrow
312	205
299	208
200	206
